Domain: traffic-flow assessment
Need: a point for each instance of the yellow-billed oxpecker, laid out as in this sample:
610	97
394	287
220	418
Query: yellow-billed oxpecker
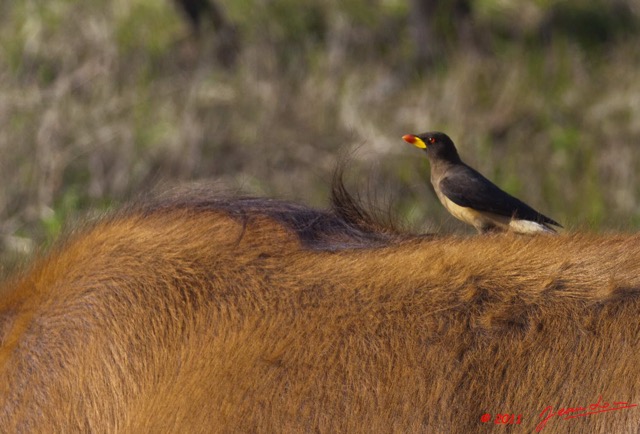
471	197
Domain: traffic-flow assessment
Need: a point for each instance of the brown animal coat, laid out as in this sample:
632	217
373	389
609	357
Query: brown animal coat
201	314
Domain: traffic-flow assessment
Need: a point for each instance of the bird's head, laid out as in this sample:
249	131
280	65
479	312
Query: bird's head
438	146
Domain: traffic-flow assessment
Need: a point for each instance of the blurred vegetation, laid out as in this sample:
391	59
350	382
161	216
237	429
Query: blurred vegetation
100	101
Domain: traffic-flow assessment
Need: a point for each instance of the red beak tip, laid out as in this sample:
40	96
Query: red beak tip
409	138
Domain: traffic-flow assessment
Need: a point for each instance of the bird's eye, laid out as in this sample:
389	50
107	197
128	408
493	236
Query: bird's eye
431	140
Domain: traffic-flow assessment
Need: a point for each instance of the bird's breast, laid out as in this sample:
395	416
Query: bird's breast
478	219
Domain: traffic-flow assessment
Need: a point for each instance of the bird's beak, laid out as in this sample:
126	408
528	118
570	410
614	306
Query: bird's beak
414	140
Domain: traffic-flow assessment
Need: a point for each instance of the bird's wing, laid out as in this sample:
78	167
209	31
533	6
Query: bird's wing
468	188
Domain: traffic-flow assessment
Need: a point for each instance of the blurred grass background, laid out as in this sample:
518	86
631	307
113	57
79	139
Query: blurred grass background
101	100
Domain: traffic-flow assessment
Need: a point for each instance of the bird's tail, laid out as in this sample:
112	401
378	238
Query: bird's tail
530	227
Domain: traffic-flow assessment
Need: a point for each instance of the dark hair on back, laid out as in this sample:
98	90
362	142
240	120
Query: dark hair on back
347	224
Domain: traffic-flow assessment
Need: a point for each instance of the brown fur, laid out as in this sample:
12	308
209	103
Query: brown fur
200	314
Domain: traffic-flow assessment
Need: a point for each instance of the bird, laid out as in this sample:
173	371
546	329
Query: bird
471	197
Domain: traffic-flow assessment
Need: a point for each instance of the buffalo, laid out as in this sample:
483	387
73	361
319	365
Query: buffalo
197	312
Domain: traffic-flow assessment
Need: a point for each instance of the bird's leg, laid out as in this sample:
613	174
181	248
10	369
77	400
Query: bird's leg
487	229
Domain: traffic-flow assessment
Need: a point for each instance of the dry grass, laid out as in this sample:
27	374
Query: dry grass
101	101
